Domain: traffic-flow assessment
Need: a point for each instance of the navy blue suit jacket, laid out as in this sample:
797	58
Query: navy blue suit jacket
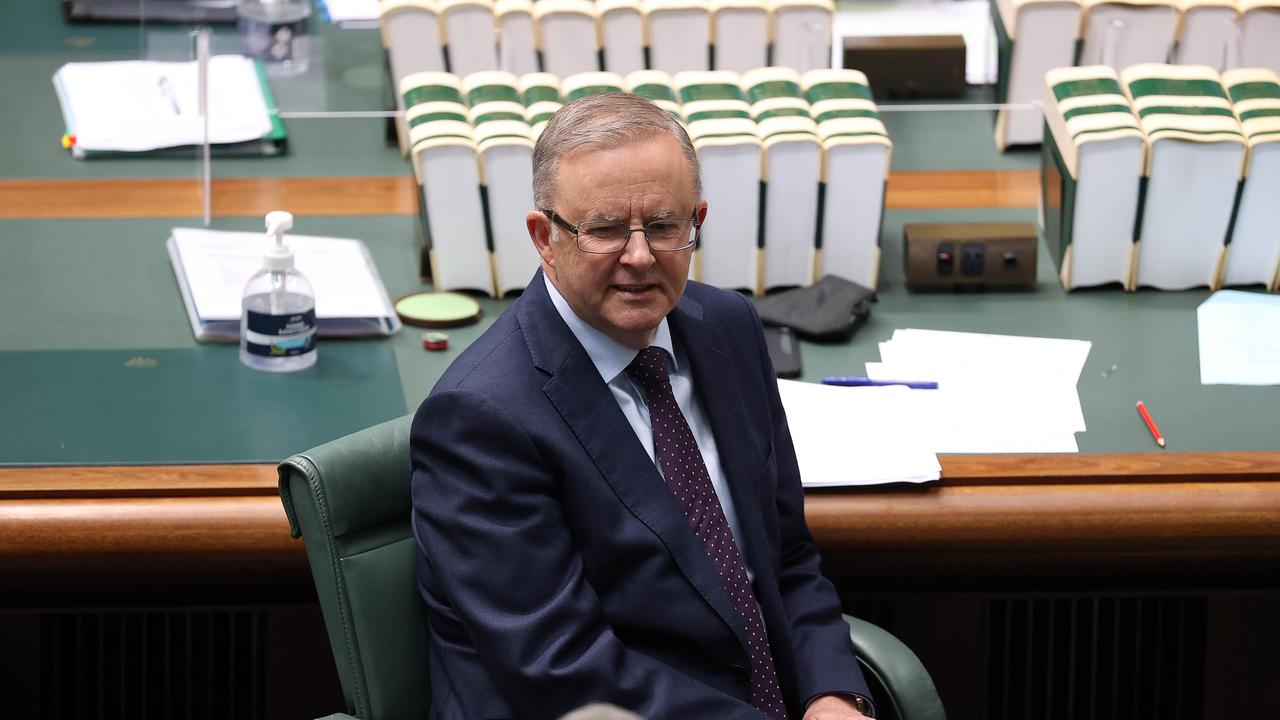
558	569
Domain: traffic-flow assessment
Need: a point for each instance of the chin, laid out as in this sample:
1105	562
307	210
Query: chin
637	322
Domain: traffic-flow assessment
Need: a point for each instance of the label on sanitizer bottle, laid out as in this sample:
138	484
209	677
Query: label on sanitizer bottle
280	335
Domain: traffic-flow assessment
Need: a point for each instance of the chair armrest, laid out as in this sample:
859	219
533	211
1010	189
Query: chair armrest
891	665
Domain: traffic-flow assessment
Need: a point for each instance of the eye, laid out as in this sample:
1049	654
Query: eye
605	231
664	227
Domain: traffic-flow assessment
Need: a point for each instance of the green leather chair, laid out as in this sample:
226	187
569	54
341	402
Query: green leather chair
349	500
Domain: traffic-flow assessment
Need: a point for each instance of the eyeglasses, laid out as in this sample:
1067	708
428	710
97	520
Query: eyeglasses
606	238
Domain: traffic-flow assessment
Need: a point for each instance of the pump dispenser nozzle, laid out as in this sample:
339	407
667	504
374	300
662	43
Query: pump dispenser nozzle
279	257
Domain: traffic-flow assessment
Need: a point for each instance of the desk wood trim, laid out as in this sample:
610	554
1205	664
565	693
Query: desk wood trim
257	479
1084	519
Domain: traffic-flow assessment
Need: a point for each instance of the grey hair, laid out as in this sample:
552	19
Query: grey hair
608	120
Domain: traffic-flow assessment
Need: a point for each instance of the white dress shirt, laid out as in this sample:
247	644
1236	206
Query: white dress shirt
611	359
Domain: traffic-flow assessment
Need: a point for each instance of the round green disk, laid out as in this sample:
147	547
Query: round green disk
438	309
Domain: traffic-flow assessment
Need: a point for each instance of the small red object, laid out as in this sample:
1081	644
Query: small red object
435	341
1151	424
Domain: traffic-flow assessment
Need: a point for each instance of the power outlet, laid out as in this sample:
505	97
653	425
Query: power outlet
950	256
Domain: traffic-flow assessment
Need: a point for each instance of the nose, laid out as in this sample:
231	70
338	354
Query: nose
637	252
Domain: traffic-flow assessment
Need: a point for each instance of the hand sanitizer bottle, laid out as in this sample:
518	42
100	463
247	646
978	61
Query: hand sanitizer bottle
278	318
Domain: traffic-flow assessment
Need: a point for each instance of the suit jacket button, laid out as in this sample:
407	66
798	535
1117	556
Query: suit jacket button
740	670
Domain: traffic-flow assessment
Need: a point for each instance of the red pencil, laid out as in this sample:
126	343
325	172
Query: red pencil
1151	424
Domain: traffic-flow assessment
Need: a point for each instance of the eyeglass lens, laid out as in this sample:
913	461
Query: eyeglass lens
661	234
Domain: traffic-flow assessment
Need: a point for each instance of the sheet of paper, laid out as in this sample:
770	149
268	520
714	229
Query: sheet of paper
1239	339
857	436
140	105
996	393
218	264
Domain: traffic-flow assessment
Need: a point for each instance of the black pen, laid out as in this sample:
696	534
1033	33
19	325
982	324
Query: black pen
167	90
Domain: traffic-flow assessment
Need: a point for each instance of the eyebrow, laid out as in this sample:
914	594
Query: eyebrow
665	214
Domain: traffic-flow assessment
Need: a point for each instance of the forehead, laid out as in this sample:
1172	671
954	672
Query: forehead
649	170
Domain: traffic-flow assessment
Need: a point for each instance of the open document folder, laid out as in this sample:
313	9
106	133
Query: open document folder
857	436
212	268
134	106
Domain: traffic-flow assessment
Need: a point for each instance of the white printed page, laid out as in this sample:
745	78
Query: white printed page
996	393
857	436
1239	335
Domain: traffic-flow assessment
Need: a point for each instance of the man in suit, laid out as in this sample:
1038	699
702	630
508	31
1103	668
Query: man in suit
606	498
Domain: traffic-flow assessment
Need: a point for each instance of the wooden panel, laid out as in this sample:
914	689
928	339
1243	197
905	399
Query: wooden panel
260	479
178	532
1102	468
935	189
316	196
149	551
136	481
397	195
1199	519
1016	518
48	199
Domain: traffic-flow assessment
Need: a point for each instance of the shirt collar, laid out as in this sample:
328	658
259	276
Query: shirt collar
609	356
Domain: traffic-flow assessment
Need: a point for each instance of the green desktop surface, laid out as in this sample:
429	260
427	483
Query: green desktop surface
84	291
190	405
92	295
950	135
107	285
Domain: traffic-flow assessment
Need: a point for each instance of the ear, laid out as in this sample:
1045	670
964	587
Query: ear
540	233
700	211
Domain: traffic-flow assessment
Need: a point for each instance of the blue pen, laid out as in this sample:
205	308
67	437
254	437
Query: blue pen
858	381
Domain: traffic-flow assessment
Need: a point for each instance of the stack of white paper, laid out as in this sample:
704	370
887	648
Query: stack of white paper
1239	339
857	436
212	268
996	393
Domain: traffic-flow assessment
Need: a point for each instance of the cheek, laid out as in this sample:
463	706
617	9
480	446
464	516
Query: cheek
590	279
676	271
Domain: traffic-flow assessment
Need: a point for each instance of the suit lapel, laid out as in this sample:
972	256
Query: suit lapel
582	398
719	388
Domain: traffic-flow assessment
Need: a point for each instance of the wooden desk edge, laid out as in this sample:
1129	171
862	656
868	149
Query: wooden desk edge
261	479
72	529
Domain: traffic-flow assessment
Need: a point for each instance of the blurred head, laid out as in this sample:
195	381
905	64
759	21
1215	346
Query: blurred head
615	158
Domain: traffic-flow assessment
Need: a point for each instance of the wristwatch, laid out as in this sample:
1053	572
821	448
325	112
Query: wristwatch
862	704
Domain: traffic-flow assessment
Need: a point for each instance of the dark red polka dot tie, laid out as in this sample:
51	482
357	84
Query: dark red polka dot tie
687	477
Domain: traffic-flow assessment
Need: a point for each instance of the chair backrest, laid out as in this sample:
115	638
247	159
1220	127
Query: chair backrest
349	500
